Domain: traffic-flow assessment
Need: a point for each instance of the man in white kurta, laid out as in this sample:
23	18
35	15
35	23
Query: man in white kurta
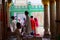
13	24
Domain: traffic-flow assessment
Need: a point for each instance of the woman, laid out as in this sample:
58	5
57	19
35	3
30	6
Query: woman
36	26
36	22
32	25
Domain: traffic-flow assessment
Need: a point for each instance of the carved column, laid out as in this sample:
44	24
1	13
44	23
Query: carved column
4	19
46	33
45	3
58	19
52	19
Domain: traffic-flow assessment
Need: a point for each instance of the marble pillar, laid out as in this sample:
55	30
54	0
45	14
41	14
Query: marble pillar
46	33
4	20
58	19
52	19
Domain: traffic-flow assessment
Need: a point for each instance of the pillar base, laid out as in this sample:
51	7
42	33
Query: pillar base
57	37
53	38
46	35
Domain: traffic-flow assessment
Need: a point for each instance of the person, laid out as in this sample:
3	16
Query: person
13	24
28	28
36	22
23	28
32	24
18	31
36	26
24	21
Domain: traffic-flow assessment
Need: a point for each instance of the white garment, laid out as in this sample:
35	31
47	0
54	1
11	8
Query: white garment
13	25
22	22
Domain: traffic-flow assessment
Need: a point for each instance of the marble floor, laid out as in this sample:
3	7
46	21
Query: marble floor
39	30
37	38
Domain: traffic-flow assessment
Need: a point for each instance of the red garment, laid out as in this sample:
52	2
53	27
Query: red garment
36	22
32	24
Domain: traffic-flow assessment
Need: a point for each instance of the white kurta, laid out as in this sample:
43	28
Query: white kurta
13	25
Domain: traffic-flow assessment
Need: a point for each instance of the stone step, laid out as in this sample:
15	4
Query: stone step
34	38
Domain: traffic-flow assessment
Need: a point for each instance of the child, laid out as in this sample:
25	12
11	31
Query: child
18	31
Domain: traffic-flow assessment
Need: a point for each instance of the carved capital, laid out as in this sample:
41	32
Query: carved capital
9	1
45	2
8	4
52	1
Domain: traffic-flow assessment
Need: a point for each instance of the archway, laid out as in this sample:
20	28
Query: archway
35	10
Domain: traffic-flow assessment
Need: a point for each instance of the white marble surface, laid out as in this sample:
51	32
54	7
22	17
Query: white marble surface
45	38
40	30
